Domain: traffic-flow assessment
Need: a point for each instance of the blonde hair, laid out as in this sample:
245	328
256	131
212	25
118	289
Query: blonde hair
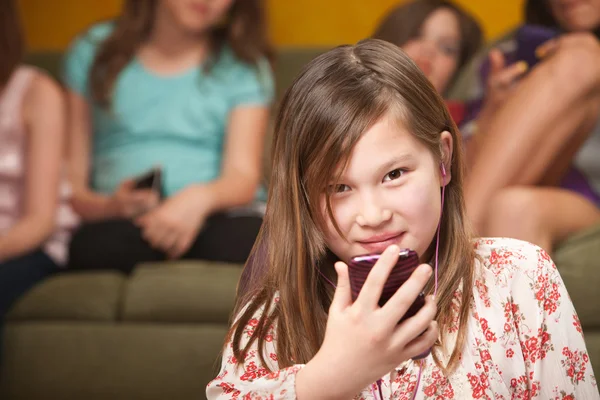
330	105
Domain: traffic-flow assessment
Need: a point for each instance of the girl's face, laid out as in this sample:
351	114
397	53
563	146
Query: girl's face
437	48
389	193
195	16
576	15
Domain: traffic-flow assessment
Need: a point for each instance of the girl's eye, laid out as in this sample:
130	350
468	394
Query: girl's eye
339	188
450	50
395	174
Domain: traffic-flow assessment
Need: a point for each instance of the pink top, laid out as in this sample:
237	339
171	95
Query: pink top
13	153
524	341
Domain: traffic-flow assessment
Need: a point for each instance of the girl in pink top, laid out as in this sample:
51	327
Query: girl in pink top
34	216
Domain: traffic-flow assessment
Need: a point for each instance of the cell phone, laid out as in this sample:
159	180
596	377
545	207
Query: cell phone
360	266
529	38
150	180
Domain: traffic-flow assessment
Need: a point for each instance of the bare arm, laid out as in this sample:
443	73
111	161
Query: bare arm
44	115
174	225
242	161
89	205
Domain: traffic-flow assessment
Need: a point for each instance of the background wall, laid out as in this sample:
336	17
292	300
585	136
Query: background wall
50	24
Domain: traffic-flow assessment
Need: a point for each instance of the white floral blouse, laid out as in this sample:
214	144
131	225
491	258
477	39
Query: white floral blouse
524	342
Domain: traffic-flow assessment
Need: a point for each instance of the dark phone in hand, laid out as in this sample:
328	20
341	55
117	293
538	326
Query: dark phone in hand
360	266
150	180
529	38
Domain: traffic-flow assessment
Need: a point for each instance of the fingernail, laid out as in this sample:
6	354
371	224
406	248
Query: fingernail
522	66
427	271
540	52
393	249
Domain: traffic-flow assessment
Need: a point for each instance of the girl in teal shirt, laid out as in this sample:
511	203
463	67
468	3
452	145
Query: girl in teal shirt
184	87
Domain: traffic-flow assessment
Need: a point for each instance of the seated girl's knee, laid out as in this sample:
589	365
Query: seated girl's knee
575	66
516	206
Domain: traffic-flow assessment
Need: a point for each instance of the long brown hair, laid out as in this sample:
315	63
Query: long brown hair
405	21
12	44
244	30
334	100
539	12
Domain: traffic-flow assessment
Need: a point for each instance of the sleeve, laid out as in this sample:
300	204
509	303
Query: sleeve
252	380
557	364
80	56
253	85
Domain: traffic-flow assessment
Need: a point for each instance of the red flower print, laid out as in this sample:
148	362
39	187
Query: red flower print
577	324
510	353
253	372
524	387
483	293
429	390
479	384
448	392
229	389
575	363
539	295
532	349
485	356
544	256
273	375
564	396
546	290
554	295
273	357
489	335
549	306
437	386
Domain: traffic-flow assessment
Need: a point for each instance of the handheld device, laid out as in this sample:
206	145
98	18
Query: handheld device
529	38
360	266
150	180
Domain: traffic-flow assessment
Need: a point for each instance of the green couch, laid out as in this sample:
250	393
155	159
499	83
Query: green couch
157	334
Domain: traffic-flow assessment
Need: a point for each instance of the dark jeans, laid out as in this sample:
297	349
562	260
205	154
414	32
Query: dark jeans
17	276
20	274
119	245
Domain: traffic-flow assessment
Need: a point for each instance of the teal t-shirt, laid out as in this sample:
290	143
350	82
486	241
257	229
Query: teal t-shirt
178	122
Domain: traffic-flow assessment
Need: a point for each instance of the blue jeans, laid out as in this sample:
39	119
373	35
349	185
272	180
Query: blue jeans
17	276
20	274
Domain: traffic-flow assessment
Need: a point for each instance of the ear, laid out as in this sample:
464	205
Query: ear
446	143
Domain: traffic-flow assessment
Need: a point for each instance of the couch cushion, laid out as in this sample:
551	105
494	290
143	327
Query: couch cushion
91	361
183	291
90	296
578	259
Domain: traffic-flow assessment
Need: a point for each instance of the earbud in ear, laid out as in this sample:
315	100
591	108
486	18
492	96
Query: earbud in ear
443	170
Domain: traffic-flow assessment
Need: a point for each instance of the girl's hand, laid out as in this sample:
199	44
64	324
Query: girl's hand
174	225
502	79
501	84
363	341
128	202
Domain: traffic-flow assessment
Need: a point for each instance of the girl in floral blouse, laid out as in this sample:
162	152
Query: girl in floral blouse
364	152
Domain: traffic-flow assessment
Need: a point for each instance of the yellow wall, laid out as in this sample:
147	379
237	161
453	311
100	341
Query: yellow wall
49	24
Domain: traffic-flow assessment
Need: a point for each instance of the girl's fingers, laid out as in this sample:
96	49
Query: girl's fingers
406	295
373	287
342	297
